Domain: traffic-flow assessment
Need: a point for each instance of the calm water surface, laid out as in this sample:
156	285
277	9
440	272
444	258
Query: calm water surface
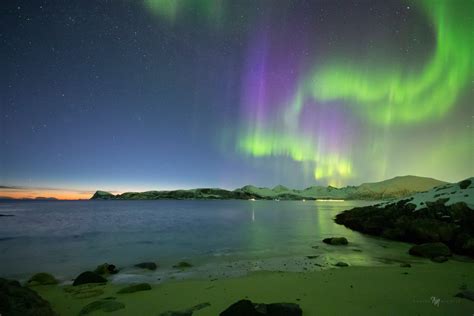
72	236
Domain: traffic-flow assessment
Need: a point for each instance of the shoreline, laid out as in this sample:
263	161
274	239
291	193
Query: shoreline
352	290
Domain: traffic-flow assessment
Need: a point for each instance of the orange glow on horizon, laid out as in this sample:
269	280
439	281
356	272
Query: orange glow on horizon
46	193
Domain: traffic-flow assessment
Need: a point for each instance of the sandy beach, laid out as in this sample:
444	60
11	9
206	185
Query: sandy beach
426	288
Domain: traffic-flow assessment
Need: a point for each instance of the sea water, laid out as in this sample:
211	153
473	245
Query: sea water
68	237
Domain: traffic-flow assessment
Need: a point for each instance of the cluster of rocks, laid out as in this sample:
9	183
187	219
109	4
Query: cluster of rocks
452	224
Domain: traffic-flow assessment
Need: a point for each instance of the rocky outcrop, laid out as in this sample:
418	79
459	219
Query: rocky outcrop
18	300
443	215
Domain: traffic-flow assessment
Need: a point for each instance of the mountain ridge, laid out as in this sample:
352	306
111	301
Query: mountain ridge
391	188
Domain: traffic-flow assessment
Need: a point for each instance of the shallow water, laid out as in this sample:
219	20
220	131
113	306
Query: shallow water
218	237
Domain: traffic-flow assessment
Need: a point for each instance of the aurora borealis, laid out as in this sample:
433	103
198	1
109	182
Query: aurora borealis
161	94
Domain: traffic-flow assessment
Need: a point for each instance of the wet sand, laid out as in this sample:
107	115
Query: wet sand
424	289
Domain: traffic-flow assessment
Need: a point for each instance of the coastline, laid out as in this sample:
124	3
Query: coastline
352	290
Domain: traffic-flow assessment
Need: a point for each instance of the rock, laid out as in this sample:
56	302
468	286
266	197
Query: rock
464	184
284	309
182	265
240	308
88	277
18	300
42	279
104	305
135	288
405	265
186	312
430	250
341	264
439	259
466	294
247	308
147	265
106	269
312	257
336	241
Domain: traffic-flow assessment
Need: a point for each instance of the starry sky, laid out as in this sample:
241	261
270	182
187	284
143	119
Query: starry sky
160	94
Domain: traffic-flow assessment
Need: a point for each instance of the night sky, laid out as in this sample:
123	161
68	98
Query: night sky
160	94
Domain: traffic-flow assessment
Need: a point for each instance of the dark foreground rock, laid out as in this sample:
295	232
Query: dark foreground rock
430	250
18	300
42	279
147	265
135	288
88	277
435	221
467	294
248	308
336	241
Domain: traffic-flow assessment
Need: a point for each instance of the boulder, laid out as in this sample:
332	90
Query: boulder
466	294
247	308
240	308
147	265
336	241
341	264
430	250
135	288
106	269
284	309
88	277
18	300
42	279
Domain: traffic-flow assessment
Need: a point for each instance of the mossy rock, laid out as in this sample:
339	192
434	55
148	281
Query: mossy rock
182	265
102	305
135	288
42	278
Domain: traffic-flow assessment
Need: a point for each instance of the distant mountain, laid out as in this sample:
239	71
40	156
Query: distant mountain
388	189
